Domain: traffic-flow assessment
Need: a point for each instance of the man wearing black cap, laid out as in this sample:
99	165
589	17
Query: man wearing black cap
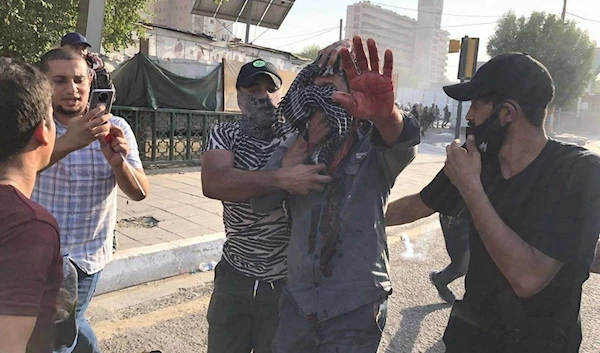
243	313
534	205
100	75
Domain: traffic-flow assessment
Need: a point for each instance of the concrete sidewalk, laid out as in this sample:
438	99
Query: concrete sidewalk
182	212
176	228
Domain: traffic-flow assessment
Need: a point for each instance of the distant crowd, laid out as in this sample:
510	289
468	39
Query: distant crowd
429	116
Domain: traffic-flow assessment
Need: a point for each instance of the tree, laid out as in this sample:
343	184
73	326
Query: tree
310	52
28	28
122	22
563	48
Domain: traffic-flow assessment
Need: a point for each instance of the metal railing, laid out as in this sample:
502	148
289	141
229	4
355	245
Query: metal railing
171	136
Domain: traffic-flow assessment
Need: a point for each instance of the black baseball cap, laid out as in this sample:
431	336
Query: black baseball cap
74	38
257	67
516	76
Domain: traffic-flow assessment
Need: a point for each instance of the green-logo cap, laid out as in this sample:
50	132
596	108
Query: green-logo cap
259	63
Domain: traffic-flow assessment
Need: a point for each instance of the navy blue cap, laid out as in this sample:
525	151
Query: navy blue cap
74	38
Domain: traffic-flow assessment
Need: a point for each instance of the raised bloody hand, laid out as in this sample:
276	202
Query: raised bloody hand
371	92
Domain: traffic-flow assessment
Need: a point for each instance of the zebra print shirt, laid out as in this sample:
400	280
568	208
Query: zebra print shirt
256	243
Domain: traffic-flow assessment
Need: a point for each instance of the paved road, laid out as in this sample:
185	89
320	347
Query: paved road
170	315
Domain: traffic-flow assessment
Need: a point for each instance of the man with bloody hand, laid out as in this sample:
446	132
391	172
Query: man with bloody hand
335	298
94	153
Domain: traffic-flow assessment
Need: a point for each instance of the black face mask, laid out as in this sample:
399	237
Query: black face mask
490	135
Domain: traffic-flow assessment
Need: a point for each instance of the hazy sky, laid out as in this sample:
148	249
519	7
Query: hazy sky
317	21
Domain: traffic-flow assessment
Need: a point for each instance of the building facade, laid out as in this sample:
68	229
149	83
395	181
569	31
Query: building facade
420	46
190	54
389	29
431	44
177	14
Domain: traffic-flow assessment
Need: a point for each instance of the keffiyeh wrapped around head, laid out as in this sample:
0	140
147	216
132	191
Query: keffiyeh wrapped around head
302	100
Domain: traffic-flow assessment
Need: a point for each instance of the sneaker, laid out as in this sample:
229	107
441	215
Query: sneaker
443	291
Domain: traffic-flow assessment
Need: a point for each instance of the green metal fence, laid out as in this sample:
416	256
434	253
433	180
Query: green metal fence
171	136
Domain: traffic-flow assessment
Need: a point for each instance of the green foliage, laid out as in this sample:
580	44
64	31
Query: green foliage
310	52
563	48
121	22
29	28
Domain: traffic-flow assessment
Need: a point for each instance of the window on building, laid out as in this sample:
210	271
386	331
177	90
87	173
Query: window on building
356	17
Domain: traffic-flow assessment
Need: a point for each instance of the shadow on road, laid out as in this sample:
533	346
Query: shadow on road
410	327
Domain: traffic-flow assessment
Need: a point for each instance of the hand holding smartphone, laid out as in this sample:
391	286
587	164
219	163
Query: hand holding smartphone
105	97
102	96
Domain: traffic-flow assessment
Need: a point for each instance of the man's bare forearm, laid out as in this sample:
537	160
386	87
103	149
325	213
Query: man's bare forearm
127	183
406	210
527	269
236	185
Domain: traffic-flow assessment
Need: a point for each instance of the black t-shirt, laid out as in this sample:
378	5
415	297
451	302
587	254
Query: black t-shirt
554	205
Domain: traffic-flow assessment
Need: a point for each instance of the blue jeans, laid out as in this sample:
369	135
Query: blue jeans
86	341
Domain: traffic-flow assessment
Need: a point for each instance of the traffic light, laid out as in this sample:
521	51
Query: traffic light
454	46
468	58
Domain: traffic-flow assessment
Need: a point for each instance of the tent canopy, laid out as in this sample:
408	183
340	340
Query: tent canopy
140	82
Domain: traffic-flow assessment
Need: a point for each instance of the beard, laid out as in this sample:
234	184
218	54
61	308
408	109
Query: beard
70	112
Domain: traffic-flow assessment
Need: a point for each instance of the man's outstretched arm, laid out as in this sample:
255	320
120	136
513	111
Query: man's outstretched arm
222	181
406	210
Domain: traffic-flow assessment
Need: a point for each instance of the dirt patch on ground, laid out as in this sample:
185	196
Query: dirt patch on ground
138	222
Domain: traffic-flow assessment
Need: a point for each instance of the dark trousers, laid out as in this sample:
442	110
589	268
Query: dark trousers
240	318
525	335
462	337
358	331
456	237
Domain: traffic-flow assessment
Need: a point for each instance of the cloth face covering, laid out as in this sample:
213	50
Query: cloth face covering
259	114
489	135
302	100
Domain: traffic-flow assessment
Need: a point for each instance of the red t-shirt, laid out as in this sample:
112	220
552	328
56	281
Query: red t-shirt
30	265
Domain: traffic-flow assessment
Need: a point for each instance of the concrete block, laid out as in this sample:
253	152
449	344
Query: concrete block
150	263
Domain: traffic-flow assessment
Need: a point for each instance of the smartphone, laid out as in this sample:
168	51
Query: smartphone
102	96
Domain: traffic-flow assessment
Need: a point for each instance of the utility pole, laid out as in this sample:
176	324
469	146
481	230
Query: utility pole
467	66
248	20
90	21
564	11
341	26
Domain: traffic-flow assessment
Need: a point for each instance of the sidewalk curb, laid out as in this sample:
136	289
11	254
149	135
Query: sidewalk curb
155	262
151	263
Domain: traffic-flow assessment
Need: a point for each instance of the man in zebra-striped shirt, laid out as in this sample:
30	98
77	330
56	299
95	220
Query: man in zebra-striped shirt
243	312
